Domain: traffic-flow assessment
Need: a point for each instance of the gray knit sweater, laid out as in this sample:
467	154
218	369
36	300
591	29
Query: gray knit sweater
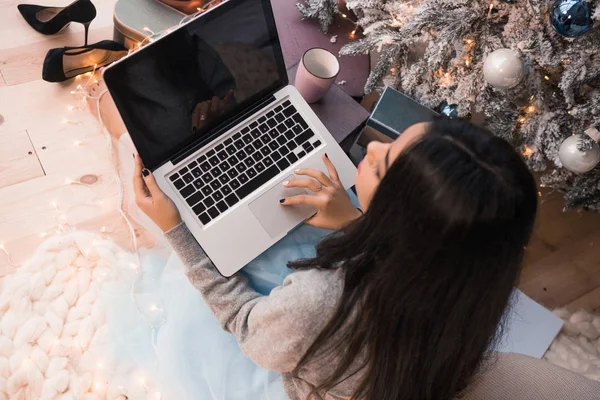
276	330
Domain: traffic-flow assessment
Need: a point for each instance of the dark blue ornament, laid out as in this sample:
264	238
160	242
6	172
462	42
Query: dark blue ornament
449	110
571	18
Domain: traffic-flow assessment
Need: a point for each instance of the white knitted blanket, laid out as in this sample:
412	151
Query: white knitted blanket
55	343
53	333
577	346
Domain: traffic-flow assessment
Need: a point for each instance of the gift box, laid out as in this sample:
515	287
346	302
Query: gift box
393	113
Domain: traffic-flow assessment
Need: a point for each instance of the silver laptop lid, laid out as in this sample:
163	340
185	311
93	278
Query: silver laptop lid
181	91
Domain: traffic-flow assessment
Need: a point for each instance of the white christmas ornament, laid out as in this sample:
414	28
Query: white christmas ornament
503	69
575	160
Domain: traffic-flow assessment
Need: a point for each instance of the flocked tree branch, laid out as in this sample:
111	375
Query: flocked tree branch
434	51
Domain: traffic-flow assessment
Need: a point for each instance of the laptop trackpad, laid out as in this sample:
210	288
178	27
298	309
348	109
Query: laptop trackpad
278	219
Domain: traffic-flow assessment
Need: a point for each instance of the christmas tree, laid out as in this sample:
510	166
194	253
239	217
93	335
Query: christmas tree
530	69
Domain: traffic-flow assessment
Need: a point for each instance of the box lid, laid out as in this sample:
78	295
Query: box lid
394	112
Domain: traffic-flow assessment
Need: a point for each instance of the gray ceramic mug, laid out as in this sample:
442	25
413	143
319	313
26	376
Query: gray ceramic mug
316	73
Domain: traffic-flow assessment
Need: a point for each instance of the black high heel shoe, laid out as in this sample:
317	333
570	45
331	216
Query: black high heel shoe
51	20
65	63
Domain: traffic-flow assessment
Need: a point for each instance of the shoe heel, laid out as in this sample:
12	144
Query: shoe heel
86	26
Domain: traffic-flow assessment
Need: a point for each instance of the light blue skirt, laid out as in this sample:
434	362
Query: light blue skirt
166	329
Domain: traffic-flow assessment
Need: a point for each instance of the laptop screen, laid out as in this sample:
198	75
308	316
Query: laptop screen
182	88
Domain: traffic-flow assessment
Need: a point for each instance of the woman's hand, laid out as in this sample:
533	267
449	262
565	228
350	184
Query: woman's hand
335	210
152	200
204	113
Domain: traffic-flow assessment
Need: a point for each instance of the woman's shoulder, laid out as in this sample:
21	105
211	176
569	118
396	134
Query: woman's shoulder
316	276
316	286
518	377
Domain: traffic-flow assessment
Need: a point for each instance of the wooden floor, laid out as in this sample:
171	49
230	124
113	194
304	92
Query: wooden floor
55	170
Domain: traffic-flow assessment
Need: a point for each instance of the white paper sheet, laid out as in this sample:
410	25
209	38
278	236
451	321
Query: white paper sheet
530	328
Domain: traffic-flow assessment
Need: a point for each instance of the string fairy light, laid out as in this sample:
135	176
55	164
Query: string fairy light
395	22
352	34
8	256
527	151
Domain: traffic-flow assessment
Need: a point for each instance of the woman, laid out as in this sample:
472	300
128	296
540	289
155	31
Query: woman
404	302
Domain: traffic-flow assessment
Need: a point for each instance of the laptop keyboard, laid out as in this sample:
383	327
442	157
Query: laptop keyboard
246	160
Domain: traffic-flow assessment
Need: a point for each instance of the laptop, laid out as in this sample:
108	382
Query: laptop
210	111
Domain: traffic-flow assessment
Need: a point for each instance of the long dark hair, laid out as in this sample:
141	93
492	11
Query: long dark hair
429	268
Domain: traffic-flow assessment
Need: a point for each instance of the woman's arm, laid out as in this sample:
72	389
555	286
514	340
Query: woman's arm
274	331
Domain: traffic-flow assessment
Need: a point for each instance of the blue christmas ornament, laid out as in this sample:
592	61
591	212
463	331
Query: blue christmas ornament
449	110
571	18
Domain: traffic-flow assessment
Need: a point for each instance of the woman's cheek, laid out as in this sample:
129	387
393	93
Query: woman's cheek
365	188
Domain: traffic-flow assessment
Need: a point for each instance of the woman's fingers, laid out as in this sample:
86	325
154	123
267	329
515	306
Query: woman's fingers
228	97
304	199
309	184
139	186
333	175
200	114
315	174
215	104
196	115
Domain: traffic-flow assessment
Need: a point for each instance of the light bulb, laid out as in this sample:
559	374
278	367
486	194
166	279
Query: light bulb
527	151
531	109
546	77
103	229
344	15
